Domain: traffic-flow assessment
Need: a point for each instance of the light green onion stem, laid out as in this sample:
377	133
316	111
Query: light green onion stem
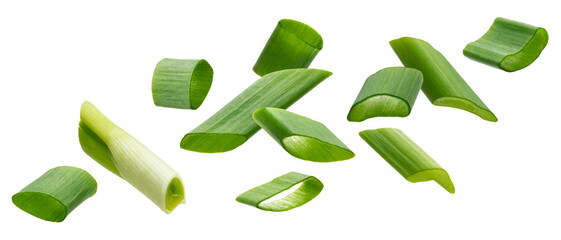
56	193
390	92
508	45
406	156
310	188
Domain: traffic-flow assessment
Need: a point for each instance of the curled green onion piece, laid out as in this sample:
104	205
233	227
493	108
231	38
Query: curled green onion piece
302	137
292	45
442	85
508	45
406	157
232	125
256	197
390	92
181	83
56	193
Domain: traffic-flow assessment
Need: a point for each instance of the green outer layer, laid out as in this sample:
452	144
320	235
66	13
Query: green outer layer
292	45
442	85
400	83
56	193
302	137
181	83
508	45
310	188
406	157
232	125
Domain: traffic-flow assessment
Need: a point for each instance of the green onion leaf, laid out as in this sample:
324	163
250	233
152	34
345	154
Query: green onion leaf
302	137
292	45
508	45
129	159
232	125
56	193
406	157
256	197
442	85
390	92
181	83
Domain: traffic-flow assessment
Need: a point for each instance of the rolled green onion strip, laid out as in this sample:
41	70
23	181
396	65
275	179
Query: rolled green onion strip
129	159
406	157
292	45
56	193
232	125
302	137
181	83
390	92
442	85
256	197
508	45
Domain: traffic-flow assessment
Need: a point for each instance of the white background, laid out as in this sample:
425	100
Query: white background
54	55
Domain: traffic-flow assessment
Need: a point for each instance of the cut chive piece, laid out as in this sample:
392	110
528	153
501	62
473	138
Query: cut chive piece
181	83
508	45
232	125
302	137
56	193
256	197
442	85
406	157
390	92
129	159
292	45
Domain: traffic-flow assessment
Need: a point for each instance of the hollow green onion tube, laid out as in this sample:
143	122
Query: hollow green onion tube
442	85
292	45
406	157
256	197
232	125
508	45
390	92
56	193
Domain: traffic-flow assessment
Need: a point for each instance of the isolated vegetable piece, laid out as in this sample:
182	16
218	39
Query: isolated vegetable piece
232	125
292	45
125	156
441	83
390	92
256	197
406	157
56	193
508	45
302	137
181	83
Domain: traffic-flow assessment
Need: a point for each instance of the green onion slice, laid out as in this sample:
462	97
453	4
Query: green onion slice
406	157
390	92
256	197
508	45
441	83
292	45
232	125
56	193
129	159
302	137
181	83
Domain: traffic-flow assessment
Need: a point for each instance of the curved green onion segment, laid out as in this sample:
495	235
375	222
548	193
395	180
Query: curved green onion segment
292	45
508	45
302	137
390	92
56	193
129	159
406	157
181	83
232	125
256	197
442	85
